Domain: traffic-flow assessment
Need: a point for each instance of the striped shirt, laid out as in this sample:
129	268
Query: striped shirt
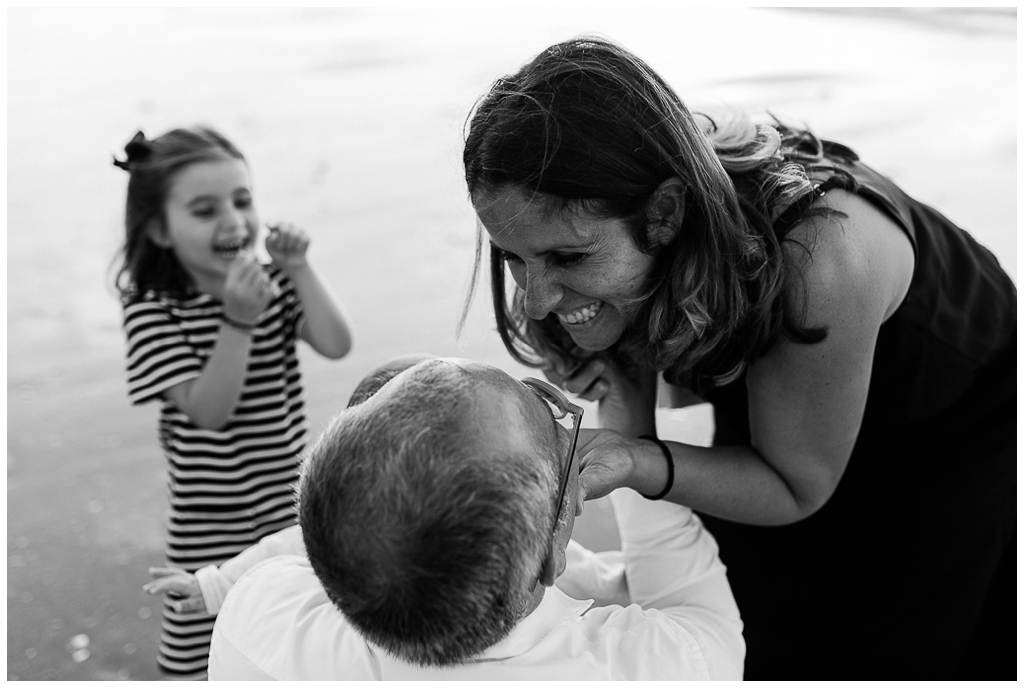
228	487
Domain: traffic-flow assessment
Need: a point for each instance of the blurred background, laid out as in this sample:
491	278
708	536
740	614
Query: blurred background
352	120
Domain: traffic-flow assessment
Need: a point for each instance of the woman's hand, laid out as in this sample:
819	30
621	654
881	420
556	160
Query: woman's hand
624	403
606	463
177	583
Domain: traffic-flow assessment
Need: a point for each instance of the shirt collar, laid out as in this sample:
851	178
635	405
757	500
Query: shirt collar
556	608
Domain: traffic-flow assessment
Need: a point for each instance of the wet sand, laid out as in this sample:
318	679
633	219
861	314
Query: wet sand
352	120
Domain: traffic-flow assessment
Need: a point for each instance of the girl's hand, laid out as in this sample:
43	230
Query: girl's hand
247	289
287	246
177	583
606	463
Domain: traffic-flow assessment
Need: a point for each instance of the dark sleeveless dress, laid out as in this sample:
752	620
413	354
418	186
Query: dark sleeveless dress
909	570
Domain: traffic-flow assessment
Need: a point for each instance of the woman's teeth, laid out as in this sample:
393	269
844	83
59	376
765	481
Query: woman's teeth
582	315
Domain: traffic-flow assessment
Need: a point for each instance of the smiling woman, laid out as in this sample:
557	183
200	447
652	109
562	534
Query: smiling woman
583	269
858	349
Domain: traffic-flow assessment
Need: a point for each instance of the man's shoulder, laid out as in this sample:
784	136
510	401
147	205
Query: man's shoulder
632	643
633	630
278	621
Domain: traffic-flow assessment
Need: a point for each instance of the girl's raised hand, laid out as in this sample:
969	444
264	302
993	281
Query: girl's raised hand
177	583
247	289
287	245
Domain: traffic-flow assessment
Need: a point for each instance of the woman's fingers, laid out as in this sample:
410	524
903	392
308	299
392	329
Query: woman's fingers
605	463
596	391
586	381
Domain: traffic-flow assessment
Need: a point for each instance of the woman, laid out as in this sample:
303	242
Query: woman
858	349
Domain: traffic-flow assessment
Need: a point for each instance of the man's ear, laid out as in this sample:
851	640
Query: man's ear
157	233
550	567
665	211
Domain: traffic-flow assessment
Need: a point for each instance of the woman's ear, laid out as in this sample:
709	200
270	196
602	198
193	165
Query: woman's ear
157	233
665	211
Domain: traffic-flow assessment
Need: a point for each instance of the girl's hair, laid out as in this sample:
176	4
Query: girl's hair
151	165
588	126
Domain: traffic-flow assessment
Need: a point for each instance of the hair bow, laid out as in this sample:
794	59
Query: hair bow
137	150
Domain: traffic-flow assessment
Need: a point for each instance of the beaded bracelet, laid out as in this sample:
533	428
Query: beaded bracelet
671	467
235	324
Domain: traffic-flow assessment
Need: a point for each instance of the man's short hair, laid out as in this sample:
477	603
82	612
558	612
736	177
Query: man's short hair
424	529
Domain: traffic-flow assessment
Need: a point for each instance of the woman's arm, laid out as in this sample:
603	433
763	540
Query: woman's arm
325	326
806	402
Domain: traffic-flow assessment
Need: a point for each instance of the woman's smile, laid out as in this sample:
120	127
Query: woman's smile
584	268
581	316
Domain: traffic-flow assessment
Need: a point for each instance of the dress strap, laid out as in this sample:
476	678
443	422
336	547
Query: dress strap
796	210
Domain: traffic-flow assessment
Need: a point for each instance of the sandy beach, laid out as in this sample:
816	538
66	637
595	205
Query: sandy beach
351	120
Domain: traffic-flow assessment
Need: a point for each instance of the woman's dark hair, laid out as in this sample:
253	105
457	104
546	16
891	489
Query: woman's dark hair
151	165
586	125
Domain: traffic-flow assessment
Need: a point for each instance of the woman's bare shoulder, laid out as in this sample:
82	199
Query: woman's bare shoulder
857	253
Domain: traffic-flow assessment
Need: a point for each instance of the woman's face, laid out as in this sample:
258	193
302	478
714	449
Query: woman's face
585	269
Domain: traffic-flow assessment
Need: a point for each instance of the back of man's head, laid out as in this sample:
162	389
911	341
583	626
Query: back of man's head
426	525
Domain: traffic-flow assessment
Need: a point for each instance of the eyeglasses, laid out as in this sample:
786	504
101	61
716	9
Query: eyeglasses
561	408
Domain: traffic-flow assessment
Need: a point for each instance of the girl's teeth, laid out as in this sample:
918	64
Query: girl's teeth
581	316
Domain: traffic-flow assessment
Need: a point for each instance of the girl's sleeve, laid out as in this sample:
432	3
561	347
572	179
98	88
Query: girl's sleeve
159	356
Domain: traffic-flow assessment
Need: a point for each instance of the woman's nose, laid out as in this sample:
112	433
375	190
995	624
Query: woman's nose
542	294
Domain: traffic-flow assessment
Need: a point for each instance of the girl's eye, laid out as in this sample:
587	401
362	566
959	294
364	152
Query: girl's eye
567	260
203	211
243	202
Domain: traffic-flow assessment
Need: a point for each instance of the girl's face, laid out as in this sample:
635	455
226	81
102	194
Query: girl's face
585	269
210	218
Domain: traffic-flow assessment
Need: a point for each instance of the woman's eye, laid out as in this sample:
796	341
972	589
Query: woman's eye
508	257
567	260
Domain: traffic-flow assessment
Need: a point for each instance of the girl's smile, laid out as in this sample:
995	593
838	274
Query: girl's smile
583	268
209	219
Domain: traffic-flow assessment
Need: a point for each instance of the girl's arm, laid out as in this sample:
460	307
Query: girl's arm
325	326
806	402
209	399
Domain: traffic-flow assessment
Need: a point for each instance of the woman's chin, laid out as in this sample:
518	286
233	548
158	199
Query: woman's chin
595	339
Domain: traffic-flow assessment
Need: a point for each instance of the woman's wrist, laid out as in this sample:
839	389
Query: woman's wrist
651	473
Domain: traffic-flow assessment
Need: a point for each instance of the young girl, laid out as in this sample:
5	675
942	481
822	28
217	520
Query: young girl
211	335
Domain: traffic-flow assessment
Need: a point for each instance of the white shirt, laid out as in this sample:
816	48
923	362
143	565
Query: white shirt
679	622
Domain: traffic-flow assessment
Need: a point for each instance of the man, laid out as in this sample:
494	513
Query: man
437	516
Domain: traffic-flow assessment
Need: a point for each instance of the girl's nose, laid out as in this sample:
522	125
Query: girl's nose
234	219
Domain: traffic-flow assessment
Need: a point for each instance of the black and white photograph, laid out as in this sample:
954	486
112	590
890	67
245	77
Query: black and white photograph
603	343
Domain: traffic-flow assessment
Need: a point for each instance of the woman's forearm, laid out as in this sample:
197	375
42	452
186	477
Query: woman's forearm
733	483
